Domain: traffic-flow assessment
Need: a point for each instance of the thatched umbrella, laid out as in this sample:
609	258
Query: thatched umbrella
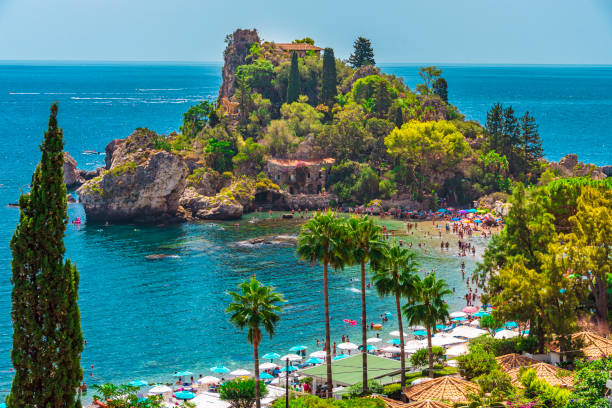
546	372
509	361
447	388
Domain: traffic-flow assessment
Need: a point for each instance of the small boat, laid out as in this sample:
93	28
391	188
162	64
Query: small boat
77	220
351	322
377	326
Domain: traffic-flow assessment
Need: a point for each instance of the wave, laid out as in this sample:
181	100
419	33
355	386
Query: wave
104	98
159	89
24	93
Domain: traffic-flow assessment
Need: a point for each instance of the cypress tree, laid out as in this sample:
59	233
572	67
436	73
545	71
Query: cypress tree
363	53
440	88
47	338
329	82
293	86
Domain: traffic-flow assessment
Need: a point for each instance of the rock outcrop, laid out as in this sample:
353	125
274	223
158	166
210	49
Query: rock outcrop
194	206
141	185
238	45
73	177
569	166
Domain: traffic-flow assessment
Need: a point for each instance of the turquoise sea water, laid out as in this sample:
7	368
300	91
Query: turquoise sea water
145	319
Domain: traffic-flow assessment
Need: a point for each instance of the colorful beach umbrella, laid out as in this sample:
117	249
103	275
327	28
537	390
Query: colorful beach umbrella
271	356
314	360
297	348
420	333
138	383
184	395
511	324
340	357
220	370
265	376
290	368
470	309
480	313
182	374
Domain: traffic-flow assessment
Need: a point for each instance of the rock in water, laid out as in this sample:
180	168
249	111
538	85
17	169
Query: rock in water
146	189
73	177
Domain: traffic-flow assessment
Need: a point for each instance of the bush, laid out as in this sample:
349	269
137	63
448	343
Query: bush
499	347
393	391
310	401
421	357
496	382
374	387
241	392
387	189
477	362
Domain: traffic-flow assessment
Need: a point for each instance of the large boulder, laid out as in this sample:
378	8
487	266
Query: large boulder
570	166
143	191
73	177
195	206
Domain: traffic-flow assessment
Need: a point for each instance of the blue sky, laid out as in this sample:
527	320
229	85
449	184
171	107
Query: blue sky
440	31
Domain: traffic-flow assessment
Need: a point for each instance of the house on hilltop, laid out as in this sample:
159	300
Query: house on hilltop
299	176
300	49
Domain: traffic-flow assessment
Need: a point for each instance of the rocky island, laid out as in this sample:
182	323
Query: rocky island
295	128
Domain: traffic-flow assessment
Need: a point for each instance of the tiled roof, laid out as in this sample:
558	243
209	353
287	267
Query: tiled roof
293	163
509	361
447	388
594	346
298	47
391	403
546	372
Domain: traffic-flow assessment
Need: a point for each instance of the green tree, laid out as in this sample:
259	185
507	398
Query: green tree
47	338
429	308
321	240
197	117
293	86
305	40
363	53
364	239
420	358
254	307
530	141
242	393
590	385
394	275
125	396
429	75
220	154
440	88
279	139
329	82
476	363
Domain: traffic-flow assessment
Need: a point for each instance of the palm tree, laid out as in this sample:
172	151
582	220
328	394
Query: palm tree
320	240
363	239
395	275
429	308
256	305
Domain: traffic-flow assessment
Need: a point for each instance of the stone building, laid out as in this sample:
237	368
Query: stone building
299	176
300	49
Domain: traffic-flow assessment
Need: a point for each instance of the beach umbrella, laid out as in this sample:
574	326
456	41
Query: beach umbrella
297	348
184	395
480	313
510	325
318	354
442	327
182	374
472	210
458	319
416	327
477	222
340	357
475	323
467	332
420	333
138	383
291	357
265	376
393	341
445	340
209	379
462	212
458	314
505	334
470	309
371	347
391	349
220	370
396	333
372	340
290	369
458	350
314	360
414	345
241	373
348	346
525	331
441	210
160	389
270	356
268	366
456	219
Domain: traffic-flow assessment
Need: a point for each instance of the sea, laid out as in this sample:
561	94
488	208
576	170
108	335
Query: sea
145	319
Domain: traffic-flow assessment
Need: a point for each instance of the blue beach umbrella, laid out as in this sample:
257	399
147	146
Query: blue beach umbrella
265	376
271	356
291	368
458	319
182	374
511	324
477	221
371	347
220	370
523	332
3	405
456	219
297	348
138	383
313	360
472	210
340	357
394	341
480	313
441	210
184	395
420	333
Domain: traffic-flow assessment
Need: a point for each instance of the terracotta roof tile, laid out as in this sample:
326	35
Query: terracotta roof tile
546	372
509	361
447	388
298	47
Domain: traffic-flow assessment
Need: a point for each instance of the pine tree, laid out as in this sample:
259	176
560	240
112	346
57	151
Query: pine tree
293	86
512	141
494	127
47	338
530	139
363	54
440	88
329	82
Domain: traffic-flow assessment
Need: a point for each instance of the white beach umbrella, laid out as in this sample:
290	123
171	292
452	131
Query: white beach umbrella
467	332
373	340
475	323
209	379
458	350
348	346
452	363
391	349
421	380
396	333
160	389
318	354
241	373
417	327
445	340
414	345
291	357
505	334
268	366
458	314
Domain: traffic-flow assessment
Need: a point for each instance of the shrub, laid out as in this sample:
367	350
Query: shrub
421	357
310	401
477	362
393	391
356	390
240	392
161	143
123	168
496	382
387	188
